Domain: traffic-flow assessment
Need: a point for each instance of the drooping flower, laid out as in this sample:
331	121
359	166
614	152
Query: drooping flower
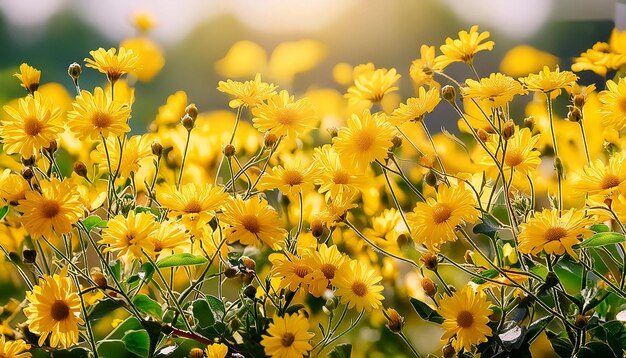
359	286
284	116
54	310
33	125
497	89
253	222
464	48
129	236
96	114
550	82
416	107
29	77
249	93
371	86
466	315
288	337
613	108
112	64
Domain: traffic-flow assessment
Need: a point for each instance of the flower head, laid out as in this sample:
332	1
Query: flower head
294	272
416	107
613	108
598	59
291	179
358	286
216	350
130	235
253	222
249	93
29	77
421	70
336	178
372	85
288	337
14	349
464	48
521	152
324	263
603	179
283	116
466	315
97	114
112	64
550	82
54	310
33	125
497	89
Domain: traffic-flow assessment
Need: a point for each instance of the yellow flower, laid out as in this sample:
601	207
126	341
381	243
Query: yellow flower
416	107
358	286
292	179
196	203
216	350
336	209
553	232
283	116
617	41
603	180
386	228
293	271
150	59
523	59
613	108
433	222
130	235
55	208
550	82
253	222
421	70
112	64
136	153
521	153
29	76
365	139
96	114
466	315
33	125
288	337
14	349
325	263
170	238
372	85
598	59
336	178
464	48
249	93
143	21
13	187
497	89
54	310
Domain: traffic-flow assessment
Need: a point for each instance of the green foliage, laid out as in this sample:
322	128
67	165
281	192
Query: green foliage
184	259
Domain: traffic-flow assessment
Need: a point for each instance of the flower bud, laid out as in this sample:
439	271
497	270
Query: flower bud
99	279
80	168
482	135
396	141
188	122
529	122
468	257
157	149
247	263
508	130
395	322
249	291
330	305
27	173
29	162
430	288
448	93
402	240
333	132
448	351
196	353
558	165
581	321
29	256
52	147
579	100
247	278
317	228
608	202
229	150
74	70
430	178
270	139
192	111
430	261
231	272
574	115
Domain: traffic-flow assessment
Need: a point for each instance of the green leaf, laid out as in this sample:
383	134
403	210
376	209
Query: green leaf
4	211
137	342
147	305
116	268
489	226
600	228
94	221
595	349
562	347
217	307
146	271
341	351
617	330
142	209
424	311
104	308
535	328
601	239
487	273
184	259
106	346
202	313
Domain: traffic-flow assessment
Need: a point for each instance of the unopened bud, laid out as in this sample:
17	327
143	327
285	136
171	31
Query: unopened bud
52	147
448	93
468	257
317	228
396	141
229	150
192	111
231	272
402	240
29	162
29	256
430	261
508	130
333	132
581	321
27	173
482	135
188	122
448	351
579	100
529	122
157	149
99	279
196	353
74	70
80	168
270	139
247	262
395	322
429	287
608	202
249	291
574	115
330	305
430	178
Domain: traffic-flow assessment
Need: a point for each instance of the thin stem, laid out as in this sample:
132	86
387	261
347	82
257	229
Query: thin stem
182	164
408	343
559	173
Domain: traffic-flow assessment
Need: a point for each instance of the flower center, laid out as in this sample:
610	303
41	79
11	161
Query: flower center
192	207
555	233
328	270
286	117
513	158
158	246
293	177
32	126
441	213
622	105
50	208
301	271
101	120
288	339
610	181
363	140
465	319
59	310
251	223
341	177
359	288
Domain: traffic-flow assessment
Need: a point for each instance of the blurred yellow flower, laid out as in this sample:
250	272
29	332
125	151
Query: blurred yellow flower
14	348
291	58
143	20
150	58
464	48
522	60
613	107
243	59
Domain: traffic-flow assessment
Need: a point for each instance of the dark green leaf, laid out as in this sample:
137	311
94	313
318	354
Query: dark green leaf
601	239
600	228
147	305
595	349
142	209
116	268
424	311
217	307
341	351
536	327
492	273
563	348
3	212
617	331
107	346
94	221
203	313
489	226
137	342
103	308
146	271
184	259
129	324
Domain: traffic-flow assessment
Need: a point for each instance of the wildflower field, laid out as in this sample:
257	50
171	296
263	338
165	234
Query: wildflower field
327	223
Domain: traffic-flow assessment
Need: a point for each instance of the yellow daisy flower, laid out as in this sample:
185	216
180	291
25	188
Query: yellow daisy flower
325	263
613	108
29	77
130	235
112	64
170	238
421	70
386	228
416	107
216	350
497	89
466	315
249	93
54	310
96	114
14	349
33	125
522	153
293	271
550	82
335	178
365	139
253	222
284	116
433	222
13	187
603	180
553	232
150	58
336	209
371	86
464	48
288	337
56	207
136	153
291	179
598	59
358	286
